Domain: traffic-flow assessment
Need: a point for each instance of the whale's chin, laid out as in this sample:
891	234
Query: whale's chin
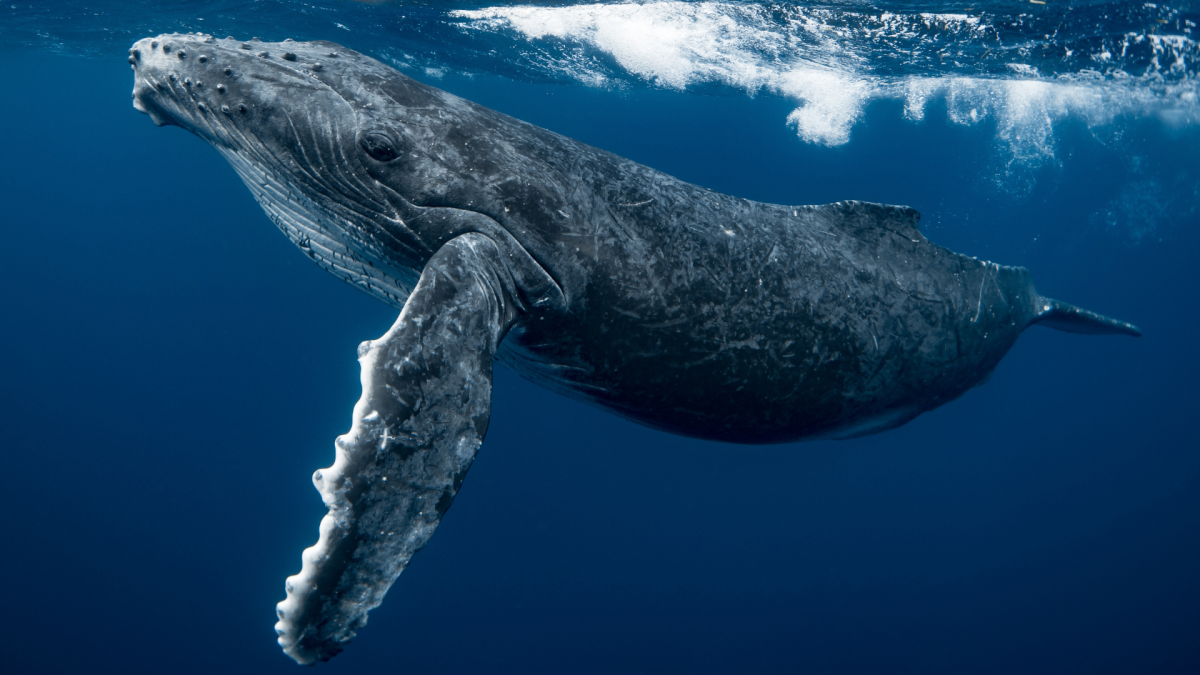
155	116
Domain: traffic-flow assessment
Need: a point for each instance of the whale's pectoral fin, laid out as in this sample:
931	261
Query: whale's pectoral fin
422	416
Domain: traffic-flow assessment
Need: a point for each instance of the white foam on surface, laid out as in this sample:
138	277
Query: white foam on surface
675	45
833	102
833	63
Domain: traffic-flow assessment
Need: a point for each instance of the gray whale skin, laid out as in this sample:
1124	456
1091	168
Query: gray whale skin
677	307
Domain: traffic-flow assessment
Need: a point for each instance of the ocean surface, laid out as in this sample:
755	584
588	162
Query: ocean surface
173	370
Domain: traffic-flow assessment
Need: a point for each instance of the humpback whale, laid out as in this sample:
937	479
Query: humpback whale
678	307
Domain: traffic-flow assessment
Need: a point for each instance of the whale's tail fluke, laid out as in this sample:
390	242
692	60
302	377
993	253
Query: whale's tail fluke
1072	319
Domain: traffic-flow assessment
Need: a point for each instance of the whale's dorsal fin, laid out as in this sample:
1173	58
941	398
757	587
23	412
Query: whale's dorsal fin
868	219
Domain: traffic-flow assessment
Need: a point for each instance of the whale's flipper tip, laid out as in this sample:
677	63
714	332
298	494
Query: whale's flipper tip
1071	319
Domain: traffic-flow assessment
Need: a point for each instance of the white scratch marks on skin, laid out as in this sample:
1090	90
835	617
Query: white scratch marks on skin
638	203
982	284
770	258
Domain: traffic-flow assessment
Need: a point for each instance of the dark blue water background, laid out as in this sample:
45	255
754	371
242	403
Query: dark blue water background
173	371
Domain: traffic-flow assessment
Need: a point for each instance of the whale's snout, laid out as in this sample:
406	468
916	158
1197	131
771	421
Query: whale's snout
141	87
164	83
184	80
219	88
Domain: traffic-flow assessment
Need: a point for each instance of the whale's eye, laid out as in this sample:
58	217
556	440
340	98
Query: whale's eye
379	145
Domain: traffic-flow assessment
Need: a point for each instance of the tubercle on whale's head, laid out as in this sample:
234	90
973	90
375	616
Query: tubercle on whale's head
229	91
296	120
291	97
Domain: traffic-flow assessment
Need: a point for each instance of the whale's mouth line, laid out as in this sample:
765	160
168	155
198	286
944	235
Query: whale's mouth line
173	102
153	105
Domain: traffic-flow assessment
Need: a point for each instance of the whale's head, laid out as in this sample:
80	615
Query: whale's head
311	127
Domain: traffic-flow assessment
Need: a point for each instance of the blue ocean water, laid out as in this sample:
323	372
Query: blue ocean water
173	370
